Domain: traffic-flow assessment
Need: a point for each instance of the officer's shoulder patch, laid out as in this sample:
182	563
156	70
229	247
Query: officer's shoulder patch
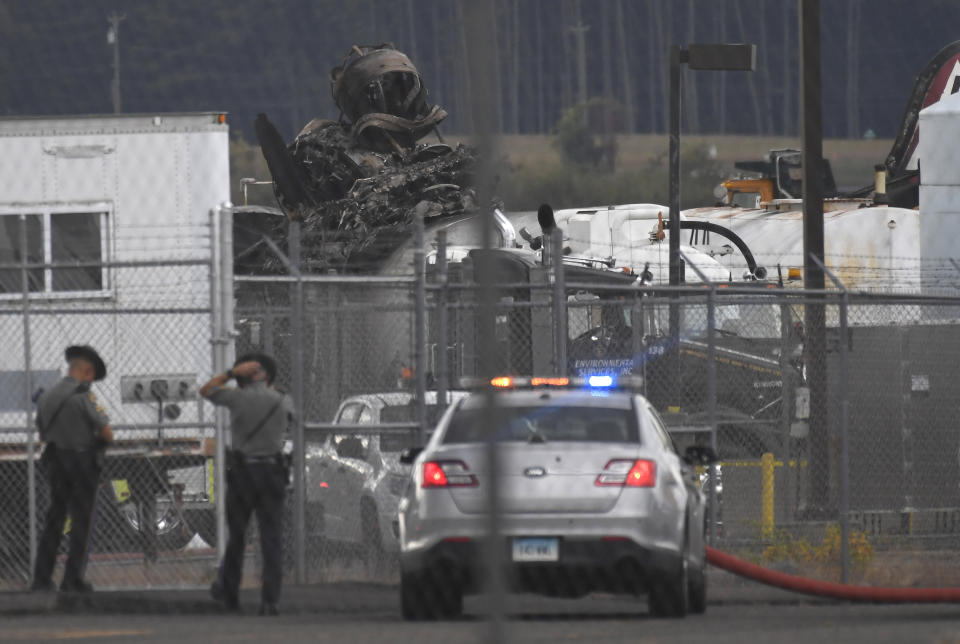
92	398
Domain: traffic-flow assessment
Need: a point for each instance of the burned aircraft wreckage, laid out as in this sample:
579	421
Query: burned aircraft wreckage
355	183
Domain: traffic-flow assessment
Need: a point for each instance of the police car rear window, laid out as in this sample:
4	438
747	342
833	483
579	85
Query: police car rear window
543	424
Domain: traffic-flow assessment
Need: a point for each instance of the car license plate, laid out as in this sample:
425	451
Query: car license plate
536	549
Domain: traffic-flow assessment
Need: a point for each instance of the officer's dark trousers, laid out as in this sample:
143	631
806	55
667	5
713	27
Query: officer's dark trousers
255	486
73	478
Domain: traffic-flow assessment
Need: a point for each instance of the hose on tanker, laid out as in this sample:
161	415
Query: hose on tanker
809	586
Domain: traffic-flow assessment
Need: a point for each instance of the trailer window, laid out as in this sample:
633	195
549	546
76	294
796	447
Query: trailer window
75	239
71	242
13	254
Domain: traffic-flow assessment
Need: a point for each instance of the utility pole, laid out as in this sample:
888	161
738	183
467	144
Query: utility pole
113	38
853	70
579	32
815	329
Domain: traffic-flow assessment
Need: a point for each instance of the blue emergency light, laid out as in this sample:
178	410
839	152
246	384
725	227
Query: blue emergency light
600	381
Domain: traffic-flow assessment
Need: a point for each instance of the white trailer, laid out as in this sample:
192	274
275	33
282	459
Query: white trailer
112	219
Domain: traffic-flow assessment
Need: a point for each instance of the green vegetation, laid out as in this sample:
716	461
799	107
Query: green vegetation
584	135
784	547
567	185
532	168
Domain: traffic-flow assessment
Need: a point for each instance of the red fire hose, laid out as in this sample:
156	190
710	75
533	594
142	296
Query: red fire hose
826	588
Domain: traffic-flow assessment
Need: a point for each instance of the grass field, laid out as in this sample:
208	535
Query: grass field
533	170
852	160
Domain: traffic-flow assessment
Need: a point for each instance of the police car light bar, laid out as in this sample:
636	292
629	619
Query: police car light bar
596	381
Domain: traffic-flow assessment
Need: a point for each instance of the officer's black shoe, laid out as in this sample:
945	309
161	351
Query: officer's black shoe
78	586
39	586
269	609
217	592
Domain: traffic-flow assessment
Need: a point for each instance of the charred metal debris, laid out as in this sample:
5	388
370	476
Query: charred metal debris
355	183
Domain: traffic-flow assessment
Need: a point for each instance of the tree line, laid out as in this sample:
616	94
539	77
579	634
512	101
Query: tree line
274	56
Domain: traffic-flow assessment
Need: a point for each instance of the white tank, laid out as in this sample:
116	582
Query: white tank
634	236
867	247
939	161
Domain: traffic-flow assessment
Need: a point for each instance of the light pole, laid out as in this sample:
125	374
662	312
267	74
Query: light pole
714	57
814	314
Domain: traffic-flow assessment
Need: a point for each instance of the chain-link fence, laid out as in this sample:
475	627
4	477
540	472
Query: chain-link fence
851	433
778	491
355	346
846	438
151	323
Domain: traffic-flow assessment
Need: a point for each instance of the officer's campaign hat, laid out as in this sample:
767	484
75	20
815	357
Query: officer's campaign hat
269	364
89	354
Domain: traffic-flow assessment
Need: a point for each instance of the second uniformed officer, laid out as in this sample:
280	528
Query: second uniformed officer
256	477
74	427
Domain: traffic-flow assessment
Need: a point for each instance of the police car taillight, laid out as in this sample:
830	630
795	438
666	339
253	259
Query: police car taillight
628	473
447	474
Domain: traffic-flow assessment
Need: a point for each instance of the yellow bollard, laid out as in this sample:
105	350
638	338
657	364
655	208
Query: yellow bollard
766	496
211	478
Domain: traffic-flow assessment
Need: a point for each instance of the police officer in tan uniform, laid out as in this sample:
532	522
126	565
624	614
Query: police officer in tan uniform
74	427
256	477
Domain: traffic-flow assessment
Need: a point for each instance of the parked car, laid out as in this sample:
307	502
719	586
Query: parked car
593	497
354	479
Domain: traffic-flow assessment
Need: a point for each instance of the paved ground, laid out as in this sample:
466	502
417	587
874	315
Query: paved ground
368	613
364	612
336	598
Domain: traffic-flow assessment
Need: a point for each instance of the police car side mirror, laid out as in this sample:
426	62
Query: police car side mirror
409	455
699	455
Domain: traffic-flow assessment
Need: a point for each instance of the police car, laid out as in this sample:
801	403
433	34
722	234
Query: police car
593	496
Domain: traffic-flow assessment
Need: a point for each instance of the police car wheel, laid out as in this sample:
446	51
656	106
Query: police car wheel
670	596
698	589
430	595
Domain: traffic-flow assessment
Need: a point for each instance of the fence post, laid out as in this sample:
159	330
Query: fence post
559	304
419	321
787	395
27	399
299	498
712	404
223	334
637	332
711	385
443	371
845	446
844	442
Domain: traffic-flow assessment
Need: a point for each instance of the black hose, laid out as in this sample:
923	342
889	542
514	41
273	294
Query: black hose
723	231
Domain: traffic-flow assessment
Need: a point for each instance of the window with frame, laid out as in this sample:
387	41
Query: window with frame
66	250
